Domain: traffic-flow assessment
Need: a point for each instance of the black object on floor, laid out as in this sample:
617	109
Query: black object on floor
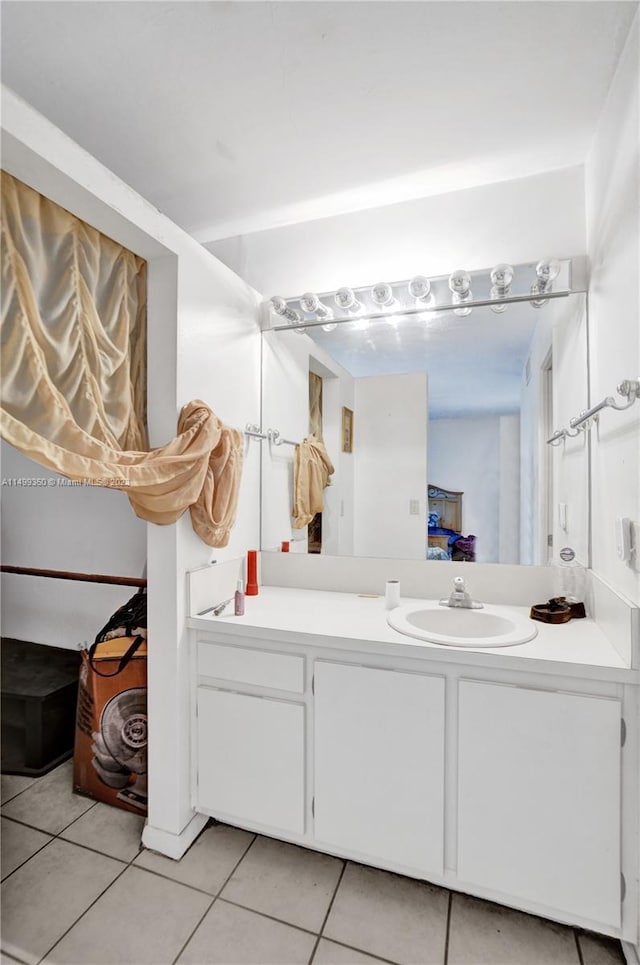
39	693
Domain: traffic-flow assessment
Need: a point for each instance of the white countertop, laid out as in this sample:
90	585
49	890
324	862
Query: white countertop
348	620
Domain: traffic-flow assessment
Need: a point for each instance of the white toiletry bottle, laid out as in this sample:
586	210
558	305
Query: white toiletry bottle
570	576
239	599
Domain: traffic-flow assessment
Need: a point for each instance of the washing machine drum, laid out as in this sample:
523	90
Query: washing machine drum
123	726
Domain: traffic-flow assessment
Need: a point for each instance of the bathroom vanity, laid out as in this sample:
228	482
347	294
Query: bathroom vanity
507	773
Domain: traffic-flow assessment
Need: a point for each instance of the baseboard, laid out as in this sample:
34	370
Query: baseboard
173	845
630	953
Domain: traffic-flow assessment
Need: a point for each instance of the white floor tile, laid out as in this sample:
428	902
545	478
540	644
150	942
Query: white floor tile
290	883
208	862
44	897
13	784
234	936
328	953
141	920
49	803
390	916
18	844
481	933
109	830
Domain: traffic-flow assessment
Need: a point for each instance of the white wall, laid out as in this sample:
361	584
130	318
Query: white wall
464	454
203	341
509	482
390	466
287	358
612	183
513	221
63	527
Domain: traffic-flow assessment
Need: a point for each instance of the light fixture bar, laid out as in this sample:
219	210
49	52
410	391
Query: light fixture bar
398	311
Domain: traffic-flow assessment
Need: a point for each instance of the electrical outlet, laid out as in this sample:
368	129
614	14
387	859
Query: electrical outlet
414	507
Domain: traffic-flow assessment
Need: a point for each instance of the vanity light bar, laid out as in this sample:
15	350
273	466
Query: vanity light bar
420	295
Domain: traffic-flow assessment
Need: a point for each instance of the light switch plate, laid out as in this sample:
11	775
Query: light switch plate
623	537
414	507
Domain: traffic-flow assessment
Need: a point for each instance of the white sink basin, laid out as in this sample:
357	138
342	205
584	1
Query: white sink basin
492	626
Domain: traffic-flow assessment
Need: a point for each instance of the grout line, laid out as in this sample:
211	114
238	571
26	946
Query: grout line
264	914
57	837
352	948
580	957
328	912
215	897
448	931
95	900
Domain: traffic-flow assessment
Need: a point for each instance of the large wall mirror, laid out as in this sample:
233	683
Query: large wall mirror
437	426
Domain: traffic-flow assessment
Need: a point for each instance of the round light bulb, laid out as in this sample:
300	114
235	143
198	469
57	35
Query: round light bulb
460	282
279	305
281	308
420	288
309	302
345	298
501	278
548	269
330	327
382	293
312	305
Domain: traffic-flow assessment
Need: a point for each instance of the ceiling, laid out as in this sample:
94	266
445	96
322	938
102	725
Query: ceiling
237	117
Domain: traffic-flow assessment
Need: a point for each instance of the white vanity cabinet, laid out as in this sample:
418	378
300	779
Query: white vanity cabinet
250	745
502	783
539	797
379	764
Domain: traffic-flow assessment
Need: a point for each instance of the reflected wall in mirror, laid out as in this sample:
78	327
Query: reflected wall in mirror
461	405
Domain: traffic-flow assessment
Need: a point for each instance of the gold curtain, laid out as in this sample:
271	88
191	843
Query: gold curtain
73	372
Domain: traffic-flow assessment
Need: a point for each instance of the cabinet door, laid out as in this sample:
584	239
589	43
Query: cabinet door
251	759
379	764
539	797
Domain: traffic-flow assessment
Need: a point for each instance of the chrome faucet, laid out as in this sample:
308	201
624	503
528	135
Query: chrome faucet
460	596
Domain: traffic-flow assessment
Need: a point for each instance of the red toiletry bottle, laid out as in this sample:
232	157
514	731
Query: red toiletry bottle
252	573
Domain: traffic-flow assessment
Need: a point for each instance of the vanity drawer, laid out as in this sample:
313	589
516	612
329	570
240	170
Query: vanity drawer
279	671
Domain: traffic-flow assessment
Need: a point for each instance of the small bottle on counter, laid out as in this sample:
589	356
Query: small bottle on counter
392	594
570	576
252	573
570	581
239	599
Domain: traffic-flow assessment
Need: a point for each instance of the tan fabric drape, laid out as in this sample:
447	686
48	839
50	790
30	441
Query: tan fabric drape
73	372
311	471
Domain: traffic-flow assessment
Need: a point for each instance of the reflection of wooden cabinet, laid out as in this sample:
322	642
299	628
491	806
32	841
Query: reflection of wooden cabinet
447	503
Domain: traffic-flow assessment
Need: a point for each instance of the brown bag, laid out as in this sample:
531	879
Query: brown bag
110	754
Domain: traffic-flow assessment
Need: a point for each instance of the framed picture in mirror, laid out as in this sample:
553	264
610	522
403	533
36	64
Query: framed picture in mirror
347	429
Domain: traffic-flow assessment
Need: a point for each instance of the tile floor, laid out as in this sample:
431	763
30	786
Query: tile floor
78	888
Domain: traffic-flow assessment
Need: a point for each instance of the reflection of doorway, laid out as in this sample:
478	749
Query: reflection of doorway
546	461
314	530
